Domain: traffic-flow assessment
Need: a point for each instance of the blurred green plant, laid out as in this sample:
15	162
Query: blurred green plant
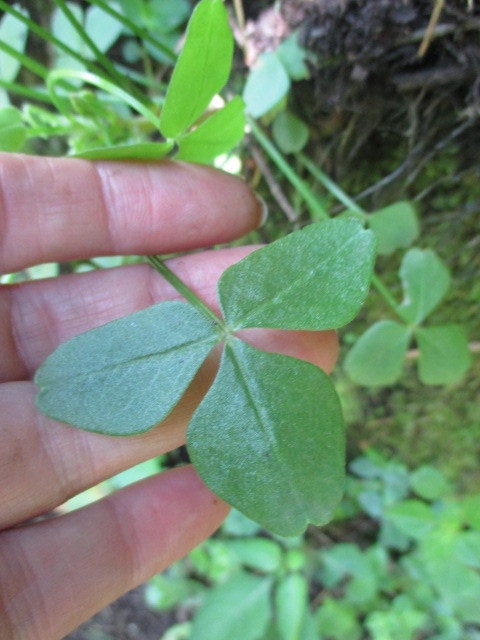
413	572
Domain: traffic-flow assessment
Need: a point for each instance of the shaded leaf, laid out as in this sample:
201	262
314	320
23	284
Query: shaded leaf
266	85
138	151
278	447
316	278
202	68
412	517
257	553
444	354
377	356
13	132
238	609
293	57
429	483
395	226
218	134
291	598
425	281
102	28
289	132
126	376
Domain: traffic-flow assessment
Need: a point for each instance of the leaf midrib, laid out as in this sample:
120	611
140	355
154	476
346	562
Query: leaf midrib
271	439
185	345
269	302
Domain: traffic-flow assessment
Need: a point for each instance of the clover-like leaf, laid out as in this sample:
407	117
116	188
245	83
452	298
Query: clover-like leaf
269	439
378	355
425	281
201	70
444	354
395	226
126	376
312	279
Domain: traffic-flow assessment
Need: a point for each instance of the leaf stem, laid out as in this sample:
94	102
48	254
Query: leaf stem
330	185
185	291
28	92
316	208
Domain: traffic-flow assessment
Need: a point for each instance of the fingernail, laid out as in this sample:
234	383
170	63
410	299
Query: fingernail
263	211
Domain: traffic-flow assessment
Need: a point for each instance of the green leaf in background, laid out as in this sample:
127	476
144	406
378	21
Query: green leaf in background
102	28
63	29
127	375
266	85
139	151
444	354
377	356
13	32
336	619
201	70
291	601
289	132
412	517
13	132
278	448
429	483
293	57
395	226
316	278
425	281
260	554
467	548
238	609
217	135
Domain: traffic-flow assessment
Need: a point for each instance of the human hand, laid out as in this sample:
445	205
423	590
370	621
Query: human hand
57	573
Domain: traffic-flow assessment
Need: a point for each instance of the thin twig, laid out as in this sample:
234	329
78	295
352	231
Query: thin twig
434	18
273	185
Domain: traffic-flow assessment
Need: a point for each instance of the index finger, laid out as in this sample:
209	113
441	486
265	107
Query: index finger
57	209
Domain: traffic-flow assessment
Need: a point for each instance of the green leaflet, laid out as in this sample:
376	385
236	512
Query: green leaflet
140	151
316	278
291	600
218	134
425	281
202	68
238	609
272	449
266	85
444	355
13	132
378	355
395	226
126	376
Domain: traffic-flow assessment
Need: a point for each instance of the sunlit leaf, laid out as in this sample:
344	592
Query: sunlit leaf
377	356
13	32
277	446
126	376
425	281
316	278
139	151
13	132
217	135
444	354
266	85
202	68
102	28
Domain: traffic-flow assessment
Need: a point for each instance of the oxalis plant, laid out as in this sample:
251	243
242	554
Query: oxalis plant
268	436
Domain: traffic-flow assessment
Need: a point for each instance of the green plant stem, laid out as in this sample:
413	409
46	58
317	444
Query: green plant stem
27	92
330	185
182	288
139	32
28	62
100	57
317	210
